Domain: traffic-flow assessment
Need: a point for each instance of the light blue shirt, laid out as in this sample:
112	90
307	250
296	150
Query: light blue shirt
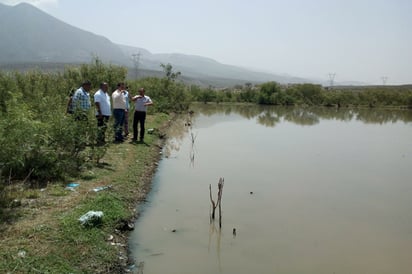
140	103
126	96
81	99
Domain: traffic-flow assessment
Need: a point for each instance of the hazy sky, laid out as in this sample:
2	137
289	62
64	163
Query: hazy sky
358	40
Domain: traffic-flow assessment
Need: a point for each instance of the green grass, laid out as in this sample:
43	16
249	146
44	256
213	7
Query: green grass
50	239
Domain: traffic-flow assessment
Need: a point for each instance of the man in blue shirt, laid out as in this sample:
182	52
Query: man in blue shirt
81	101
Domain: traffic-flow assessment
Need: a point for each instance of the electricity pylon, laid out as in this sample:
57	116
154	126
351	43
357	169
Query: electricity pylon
136	62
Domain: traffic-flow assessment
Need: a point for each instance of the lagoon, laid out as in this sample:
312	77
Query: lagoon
308	190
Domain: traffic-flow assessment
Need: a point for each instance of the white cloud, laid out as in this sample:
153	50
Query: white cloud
37	3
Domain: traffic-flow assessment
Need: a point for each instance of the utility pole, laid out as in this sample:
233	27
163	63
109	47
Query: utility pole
331	79
136	61
384	79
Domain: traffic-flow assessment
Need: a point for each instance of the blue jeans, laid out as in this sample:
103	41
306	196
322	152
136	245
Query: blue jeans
118	115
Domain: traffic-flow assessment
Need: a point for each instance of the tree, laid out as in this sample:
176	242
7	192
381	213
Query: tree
171	76
267	91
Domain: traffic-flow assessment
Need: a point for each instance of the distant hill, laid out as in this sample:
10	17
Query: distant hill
199	67
30	36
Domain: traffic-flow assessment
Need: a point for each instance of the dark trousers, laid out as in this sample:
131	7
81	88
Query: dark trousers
139	117
101	128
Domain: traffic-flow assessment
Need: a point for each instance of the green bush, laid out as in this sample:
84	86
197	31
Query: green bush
38	139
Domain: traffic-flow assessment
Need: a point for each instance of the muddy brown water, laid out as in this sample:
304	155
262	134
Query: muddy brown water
308	190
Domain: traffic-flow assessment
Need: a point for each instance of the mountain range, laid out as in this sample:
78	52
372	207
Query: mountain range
31	36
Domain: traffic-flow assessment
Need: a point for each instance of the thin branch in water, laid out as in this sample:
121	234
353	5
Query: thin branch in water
193	137
220	192
213	202
218	202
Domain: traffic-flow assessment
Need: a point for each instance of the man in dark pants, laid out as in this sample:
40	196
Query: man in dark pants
103	111
141	102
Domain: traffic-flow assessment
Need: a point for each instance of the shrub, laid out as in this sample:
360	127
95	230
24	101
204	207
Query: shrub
37	138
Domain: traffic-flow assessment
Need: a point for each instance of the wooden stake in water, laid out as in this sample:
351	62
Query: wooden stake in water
218	202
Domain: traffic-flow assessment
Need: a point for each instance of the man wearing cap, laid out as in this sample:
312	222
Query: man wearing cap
81	101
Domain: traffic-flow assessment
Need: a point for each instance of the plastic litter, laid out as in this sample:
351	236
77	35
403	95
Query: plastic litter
91	218
100	188
72	186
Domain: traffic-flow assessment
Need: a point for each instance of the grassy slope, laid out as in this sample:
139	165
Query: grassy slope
47	237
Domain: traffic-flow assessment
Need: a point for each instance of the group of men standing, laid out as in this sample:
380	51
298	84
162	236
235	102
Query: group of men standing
120	101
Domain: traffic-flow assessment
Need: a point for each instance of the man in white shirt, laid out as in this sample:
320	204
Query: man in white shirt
141	102
119	106
126	112
103	111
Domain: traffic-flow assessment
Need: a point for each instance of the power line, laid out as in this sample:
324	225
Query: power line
331	79
384	79
136	62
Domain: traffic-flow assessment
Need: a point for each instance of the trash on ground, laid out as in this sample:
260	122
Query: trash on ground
72	186
100	188
117	244
91	218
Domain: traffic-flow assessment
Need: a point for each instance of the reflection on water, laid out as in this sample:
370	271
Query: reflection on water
215	235
271	115
181	129
307	190
192	147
